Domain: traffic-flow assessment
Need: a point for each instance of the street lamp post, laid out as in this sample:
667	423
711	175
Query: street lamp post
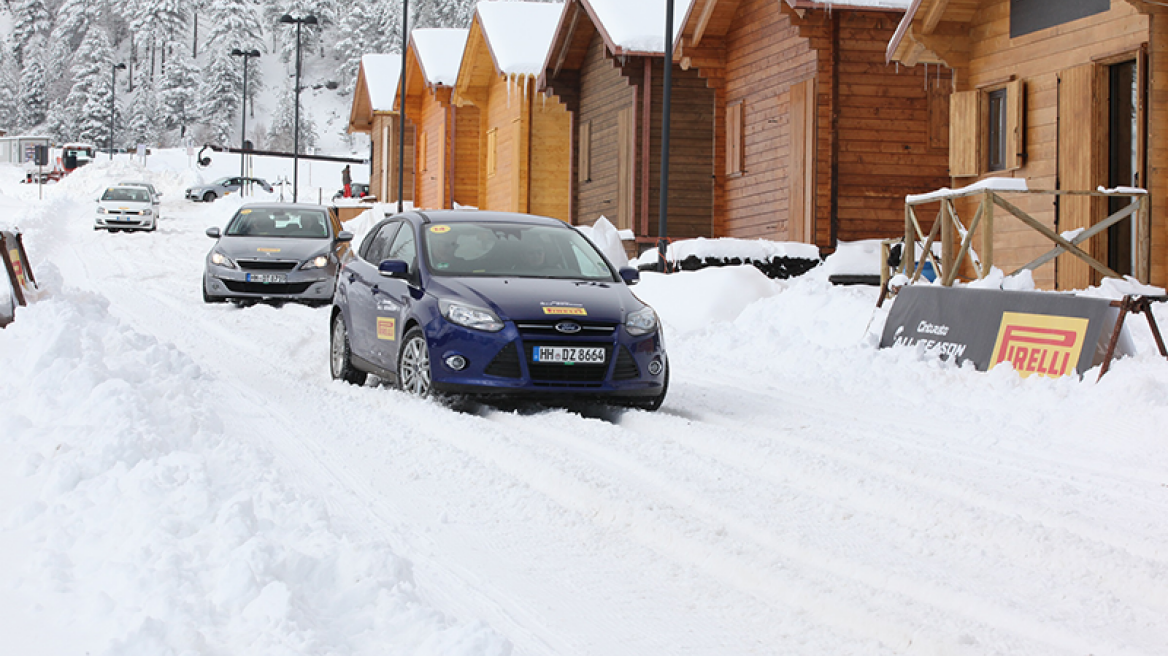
236	52
113	110
303	20
401	118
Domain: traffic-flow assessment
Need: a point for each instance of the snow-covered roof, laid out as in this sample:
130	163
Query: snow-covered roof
519	33
639	25
382	73
440	53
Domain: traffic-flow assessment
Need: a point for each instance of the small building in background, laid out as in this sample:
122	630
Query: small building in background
375	112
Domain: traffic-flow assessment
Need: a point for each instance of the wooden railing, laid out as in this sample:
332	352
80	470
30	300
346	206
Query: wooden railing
947	228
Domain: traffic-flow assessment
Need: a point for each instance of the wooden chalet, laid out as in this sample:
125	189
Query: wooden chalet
606	64
374	112
524	138
446	144
817	139
1071	96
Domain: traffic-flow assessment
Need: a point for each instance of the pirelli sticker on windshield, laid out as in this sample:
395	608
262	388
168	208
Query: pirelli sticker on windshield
1040	344
386	328
440	229
574	311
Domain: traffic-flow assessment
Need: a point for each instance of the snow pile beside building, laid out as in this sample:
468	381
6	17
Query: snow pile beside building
775	259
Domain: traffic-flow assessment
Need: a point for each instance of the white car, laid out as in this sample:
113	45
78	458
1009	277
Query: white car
126	207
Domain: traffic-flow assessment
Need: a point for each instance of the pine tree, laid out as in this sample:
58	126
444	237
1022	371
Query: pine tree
32	99
443	13
88	102
30	20
142	125
234	24
280	136
176	94
9	88
219	91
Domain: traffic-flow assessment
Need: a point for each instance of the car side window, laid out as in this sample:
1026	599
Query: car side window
377	244
404	248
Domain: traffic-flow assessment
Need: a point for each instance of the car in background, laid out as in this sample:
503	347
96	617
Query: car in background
274	252
224	186
126	207
359	189
494	304
134	183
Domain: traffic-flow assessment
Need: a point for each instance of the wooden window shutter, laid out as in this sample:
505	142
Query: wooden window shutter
584	163
801	167
965	134
1078	163
625	167
492	144
1015	125
734	163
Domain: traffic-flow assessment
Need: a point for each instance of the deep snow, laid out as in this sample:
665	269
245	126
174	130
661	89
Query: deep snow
177	478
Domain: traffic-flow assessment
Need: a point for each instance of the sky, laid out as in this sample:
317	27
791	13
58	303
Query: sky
181	478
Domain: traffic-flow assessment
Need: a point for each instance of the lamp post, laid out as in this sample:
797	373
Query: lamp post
236	52
287	19
113	110
401	118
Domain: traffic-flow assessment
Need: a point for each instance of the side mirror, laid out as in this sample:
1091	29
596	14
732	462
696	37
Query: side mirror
344	235
630	275
213	233
394	269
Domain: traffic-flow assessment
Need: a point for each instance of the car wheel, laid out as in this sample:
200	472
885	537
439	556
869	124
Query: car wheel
413	364
209	197
340	356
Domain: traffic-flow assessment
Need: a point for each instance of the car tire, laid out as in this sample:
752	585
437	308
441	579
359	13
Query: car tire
209	197
413	364
340	355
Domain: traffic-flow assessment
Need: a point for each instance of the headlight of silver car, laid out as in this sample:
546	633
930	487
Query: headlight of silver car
147	212
222	260
318	262
102	210
641	322
470	316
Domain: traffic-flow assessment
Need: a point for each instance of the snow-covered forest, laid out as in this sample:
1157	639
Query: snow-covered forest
181	84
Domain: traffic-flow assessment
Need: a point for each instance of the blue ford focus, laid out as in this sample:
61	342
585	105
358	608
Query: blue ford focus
490	303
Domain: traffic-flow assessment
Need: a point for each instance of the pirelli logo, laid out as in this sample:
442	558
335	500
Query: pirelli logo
17	265
1040	344
575	311
386	328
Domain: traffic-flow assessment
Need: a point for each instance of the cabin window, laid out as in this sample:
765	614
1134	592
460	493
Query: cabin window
423	160
492	143
734	159
986	130
584	163
1027	16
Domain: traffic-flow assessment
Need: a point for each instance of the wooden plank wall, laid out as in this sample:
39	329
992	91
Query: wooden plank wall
551	159
1037	59
604	92
385	136
465	153
431	179
502	113
1157	147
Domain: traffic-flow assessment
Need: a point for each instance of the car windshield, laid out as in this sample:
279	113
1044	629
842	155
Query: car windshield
513	250
124	194
220	181
282	222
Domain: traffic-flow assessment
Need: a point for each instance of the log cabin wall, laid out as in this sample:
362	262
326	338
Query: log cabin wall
604	94
430	125
464	148
550	158
501	138
383	170
1040	60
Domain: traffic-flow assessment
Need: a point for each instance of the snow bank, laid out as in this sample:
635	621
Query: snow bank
608	239
690	301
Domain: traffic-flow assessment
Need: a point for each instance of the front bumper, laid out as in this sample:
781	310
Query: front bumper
310	285
123	222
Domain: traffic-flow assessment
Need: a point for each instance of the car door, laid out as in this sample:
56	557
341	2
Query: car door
358	279
392	298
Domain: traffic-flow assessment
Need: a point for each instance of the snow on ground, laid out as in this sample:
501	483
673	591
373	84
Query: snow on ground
177	478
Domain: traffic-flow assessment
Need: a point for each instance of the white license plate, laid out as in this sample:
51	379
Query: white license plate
267	277
567	355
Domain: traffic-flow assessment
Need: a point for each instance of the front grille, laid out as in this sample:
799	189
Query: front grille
543	329
124	212
506	363
268	265
565	373
626	367
241	287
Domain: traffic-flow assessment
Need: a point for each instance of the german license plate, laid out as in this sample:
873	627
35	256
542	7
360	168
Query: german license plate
267	277
567	355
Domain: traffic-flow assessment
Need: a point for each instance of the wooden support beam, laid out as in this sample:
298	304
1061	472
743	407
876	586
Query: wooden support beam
1055	237
933	16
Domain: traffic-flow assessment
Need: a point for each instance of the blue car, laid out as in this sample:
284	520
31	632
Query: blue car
490	303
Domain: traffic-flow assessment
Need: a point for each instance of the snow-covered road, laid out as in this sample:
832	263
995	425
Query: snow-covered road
800	492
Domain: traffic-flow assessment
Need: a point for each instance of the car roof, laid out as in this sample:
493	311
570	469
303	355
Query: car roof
130	183
482	216
284	206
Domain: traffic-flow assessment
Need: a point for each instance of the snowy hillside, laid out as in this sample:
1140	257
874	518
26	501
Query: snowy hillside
182	478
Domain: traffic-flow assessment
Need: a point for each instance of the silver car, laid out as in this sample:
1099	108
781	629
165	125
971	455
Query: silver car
224	186
273	252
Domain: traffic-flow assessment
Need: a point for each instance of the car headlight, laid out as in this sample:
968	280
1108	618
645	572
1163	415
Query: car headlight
102	210
318	262
147	212
470	316
222	260
641	322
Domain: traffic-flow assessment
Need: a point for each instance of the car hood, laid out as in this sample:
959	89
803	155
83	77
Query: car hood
519	299
124	204
272	248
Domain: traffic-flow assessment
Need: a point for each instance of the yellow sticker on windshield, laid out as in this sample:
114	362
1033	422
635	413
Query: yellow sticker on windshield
268	250
385	328
440	228
577	311
245	211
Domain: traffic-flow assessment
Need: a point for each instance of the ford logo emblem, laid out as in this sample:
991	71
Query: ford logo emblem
568	327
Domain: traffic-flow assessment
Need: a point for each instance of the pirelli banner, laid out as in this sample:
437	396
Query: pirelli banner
1041	333
15	277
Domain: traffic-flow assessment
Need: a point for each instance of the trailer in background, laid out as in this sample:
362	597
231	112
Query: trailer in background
20	149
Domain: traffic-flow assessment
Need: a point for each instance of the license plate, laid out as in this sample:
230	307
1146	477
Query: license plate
267	277
567	355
